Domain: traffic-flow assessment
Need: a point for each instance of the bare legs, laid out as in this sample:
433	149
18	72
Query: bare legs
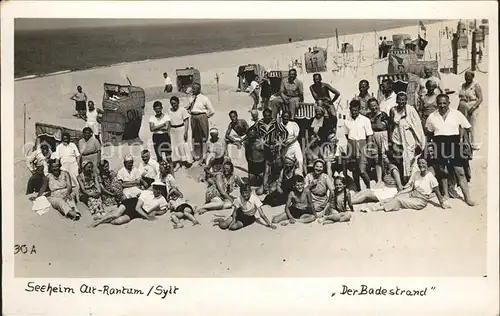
214	205
187	213
364	196
304	218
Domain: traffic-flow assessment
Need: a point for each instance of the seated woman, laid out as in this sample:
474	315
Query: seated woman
215	157
278	193
319	183
90	190
148	205
392	185
415	195
339	204
60	195
217	196
111	188
247	210
320	128
298	206
166	177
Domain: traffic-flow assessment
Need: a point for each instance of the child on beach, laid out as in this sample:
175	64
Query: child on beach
180	209
339	204
299	205
247	210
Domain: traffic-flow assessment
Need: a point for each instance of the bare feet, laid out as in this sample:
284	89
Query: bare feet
453	193
196	223
470	203
177	226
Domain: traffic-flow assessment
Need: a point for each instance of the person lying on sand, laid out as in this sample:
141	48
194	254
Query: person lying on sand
180	209
147	206
415	195
299	205
390	187
339	204
247	210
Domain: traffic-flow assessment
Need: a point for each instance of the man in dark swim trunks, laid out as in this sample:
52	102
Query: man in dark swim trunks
321	91
240	128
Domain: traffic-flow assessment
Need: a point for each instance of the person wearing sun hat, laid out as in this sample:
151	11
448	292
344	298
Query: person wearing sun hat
148	205
131	178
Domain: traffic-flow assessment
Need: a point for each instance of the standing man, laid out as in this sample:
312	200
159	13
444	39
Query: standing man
92	120
265	90
159	125
444	127
80	99
388	96
201	109
321	91
385	47
364	96
380	48
168	83
272	135
291	94
359	135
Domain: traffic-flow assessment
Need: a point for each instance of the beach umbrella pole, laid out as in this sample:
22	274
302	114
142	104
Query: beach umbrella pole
217	80
24	123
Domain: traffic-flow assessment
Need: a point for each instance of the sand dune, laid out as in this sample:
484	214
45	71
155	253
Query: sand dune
432	242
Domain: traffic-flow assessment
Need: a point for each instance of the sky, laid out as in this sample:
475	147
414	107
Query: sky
47	24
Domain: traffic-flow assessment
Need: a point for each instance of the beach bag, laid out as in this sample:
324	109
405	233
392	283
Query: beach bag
41	205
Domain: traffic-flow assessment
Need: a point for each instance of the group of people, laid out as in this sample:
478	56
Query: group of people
412	152
295	160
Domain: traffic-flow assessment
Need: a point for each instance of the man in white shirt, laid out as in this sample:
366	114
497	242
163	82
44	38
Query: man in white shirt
201	109
388	96
444	128
131	178
359	135
168	83
291	145
148	168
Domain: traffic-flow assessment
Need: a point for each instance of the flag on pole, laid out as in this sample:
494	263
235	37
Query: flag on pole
337	37
422	26
422	44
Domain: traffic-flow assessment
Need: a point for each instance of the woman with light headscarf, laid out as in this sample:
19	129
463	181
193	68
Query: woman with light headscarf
319	183
319	130
406	135
471	97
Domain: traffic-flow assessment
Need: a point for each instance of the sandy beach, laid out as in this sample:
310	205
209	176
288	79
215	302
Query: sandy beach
431	242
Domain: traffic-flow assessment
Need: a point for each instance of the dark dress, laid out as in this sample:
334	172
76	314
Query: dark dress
275	198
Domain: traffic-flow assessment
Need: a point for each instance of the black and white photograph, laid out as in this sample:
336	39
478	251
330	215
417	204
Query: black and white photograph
250	148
